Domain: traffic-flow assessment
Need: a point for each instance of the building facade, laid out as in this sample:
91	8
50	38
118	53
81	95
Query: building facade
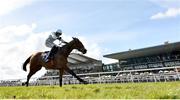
166	55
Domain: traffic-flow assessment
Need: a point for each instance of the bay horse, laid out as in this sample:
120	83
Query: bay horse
36	61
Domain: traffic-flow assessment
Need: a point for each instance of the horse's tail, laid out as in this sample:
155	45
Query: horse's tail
25	63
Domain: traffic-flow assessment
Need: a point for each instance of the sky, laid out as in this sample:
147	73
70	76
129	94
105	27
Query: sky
103	26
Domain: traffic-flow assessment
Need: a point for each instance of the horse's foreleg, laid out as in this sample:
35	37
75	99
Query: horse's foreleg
61	71
73	74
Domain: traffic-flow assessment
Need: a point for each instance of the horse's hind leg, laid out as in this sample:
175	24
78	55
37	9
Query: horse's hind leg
72	73
33	70
61	71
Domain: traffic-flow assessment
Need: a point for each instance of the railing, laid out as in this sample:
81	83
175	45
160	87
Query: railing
143	75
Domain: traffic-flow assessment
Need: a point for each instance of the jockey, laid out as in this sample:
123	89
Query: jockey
50	43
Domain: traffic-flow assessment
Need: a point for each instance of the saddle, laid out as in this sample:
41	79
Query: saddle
45	54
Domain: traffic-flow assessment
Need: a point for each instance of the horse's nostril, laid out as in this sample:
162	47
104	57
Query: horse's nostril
85	51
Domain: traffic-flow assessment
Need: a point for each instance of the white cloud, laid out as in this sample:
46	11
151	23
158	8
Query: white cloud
13	32
17	43
7	6
171	12
172	9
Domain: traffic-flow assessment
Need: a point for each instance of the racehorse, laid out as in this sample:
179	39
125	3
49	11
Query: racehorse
36	61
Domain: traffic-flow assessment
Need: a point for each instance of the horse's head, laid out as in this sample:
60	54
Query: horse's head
79	46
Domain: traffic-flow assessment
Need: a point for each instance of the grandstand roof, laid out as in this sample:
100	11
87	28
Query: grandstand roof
75	58
160	49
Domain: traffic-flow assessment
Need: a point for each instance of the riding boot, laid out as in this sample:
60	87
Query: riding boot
51	53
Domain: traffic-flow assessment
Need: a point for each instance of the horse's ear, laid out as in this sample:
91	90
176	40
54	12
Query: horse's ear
74	38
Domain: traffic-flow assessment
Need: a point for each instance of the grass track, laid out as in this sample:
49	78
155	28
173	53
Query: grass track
165	90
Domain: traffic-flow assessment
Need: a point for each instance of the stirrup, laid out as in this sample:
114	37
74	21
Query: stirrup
47	59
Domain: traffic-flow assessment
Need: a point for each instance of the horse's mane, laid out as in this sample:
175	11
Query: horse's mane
74	39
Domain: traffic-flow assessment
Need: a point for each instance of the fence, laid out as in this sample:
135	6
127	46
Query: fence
144	75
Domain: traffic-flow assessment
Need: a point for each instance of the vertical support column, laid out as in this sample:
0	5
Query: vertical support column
99	78
116	76
132	80
177	72
73	80
154	78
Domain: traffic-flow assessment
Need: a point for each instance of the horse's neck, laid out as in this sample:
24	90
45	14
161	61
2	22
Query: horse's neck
68	48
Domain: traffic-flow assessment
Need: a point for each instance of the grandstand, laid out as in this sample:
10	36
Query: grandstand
166	55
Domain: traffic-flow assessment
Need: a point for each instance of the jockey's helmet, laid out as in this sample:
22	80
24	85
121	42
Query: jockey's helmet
58	32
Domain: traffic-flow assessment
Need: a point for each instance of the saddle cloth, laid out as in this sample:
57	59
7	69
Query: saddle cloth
45	54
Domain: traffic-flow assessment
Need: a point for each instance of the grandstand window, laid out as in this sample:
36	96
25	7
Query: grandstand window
115	67
178	56
172	57
111	67
118	65
128	68
177	63
141	60
152	59
130	61
155	65
104	68
168	57
147	59
140	67
123	62
169	64
163	58
159	57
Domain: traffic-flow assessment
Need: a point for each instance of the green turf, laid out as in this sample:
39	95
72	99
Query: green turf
165	90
